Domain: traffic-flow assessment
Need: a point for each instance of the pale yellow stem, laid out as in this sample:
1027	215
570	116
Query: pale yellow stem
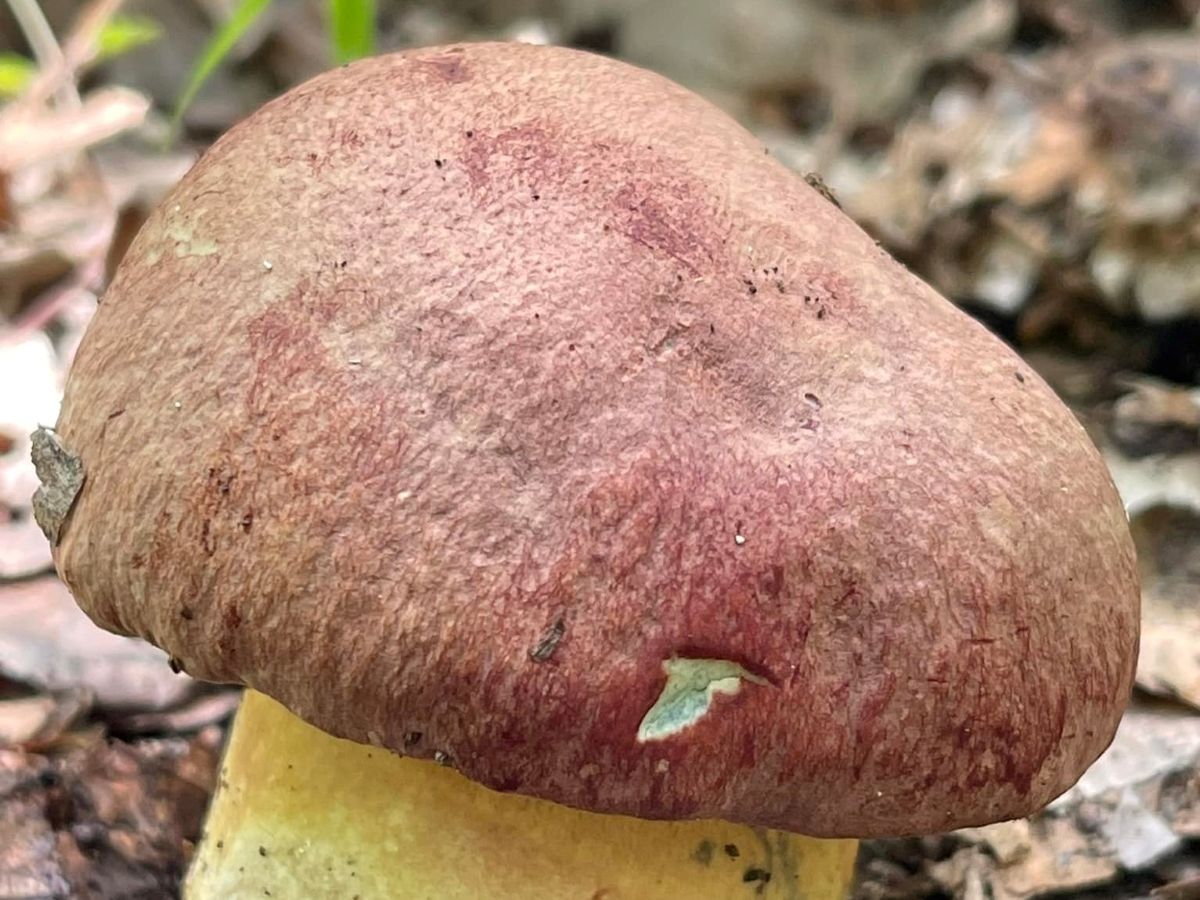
302	815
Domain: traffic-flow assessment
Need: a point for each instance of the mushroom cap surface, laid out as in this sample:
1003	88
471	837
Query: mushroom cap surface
509	406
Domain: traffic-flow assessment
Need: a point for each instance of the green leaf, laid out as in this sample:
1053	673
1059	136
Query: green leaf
351	29
691	686
121	34
218	47
15	73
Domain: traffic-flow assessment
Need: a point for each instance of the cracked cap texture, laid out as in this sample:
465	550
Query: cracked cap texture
457	395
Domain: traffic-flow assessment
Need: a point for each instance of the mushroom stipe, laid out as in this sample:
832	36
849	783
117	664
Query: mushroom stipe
338	819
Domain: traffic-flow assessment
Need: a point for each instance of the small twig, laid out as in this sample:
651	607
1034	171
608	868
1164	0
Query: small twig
106	112
78	49
45	47
83	42
37	32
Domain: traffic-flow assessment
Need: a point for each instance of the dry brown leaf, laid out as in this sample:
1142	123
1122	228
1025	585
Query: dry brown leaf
28	867
46	641
103	114
1170	650
1048	855
1059	151
24	718
1135	805
964	874
1168	541
1008	842
53	715
1156	417
103	821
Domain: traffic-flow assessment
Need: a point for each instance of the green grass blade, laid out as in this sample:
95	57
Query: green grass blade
215	52
351	29
16	72
121	34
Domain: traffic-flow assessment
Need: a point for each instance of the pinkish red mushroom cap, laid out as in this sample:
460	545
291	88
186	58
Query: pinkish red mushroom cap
509	405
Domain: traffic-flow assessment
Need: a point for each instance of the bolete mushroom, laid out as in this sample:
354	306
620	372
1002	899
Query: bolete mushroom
509	408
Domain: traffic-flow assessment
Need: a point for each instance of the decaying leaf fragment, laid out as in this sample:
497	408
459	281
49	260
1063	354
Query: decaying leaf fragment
1168	540
61	475
47	643
104	819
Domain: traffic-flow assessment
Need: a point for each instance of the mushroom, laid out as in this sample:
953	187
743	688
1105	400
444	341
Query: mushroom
590	507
